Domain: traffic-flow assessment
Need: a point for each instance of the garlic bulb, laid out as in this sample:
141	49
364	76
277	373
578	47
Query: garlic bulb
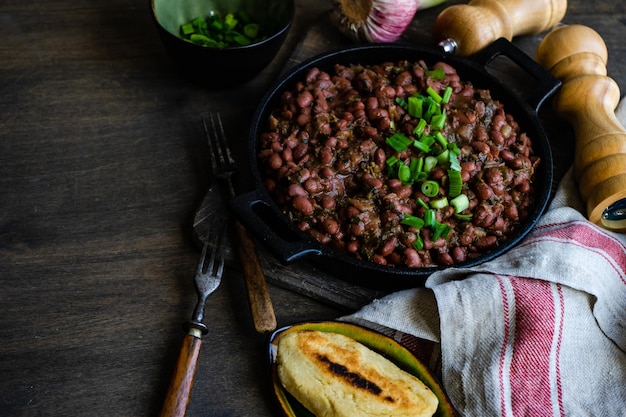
377	21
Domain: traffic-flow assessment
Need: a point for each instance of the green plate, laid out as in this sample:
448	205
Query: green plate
378	342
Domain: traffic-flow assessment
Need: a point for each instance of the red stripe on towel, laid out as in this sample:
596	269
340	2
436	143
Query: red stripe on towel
588	236
536	324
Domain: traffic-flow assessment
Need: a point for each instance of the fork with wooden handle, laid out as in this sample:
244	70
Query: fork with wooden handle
577	55
207	278
223	167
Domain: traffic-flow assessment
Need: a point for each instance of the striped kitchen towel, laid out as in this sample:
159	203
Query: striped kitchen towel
538	331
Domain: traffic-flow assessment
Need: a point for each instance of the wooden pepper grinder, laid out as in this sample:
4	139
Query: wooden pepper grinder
465	29
577	56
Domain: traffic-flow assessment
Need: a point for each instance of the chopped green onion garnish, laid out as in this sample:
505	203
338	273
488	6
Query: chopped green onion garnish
427	140
429	163
464	217
435	95
446	95
217	25
391	161
404	172
430	188
415	107
429	218
187	28
455	165
421	203
421	146
439	202
419	129
401	102
398	141
242	40
442	158
441	139
412	221
416	166
438	121
456	183
232	30
230	21
437	73
454	148
433	107
441	230
460	203
419	243
251	30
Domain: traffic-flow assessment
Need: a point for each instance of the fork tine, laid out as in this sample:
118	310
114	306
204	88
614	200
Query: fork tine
222	161
213	152
210	267
221	138
214	264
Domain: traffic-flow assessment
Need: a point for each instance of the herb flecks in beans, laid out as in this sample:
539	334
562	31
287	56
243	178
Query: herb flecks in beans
400	163
215	31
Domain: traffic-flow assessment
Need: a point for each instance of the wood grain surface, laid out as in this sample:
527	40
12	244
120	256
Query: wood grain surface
102	166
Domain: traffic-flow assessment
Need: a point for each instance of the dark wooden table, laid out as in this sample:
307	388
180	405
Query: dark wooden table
102	166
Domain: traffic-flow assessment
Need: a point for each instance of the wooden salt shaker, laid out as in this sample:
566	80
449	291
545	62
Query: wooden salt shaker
465	29
577	56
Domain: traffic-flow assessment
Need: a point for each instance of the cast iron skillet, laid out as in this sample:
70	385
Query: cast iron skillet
258	212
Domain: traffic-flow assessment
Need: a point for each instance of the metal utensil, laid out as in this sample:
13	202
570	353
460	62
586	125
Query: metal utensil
223	167
207	278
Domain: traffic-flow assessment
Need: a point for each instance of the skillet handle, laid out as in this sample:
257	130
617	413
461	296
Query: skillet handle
547	84
257	215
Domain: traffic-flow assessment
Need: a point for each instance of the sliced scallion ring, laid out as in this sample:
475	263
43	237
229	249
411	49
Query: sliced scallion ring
429	163
439	203
430	188
460	203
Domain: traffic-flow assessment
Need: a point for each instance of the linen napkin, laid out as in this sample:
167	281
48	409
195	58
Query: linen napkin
538	331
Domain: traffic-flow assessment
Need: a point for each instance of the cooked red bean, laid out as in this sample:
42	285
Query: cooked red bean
458	254
303	205
412	258
324	155
444	258
486	242
331	226
389	246
305	99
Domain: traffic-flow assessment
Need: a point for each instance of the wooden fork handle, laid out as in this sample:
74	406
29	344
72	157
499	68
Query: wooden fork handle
258	294
179	391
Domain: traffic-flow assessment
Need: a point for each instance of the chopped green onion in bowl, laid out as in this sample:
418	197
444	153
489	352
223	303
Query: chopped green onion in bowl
215	31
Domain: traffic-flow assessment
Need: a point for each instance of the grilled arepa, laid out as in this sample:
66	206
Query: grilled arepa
333	375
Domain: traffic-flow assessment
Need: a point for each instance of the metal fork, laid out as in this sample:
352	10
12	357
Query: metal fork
206	279
224	167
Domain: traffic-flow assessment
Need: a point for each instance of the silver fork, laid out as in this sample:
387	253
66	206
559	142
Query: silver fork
223	167
207	278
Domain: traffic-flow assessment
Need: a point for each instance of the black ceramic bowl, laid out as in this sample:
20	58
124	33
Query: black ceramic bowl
221	68
259	213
